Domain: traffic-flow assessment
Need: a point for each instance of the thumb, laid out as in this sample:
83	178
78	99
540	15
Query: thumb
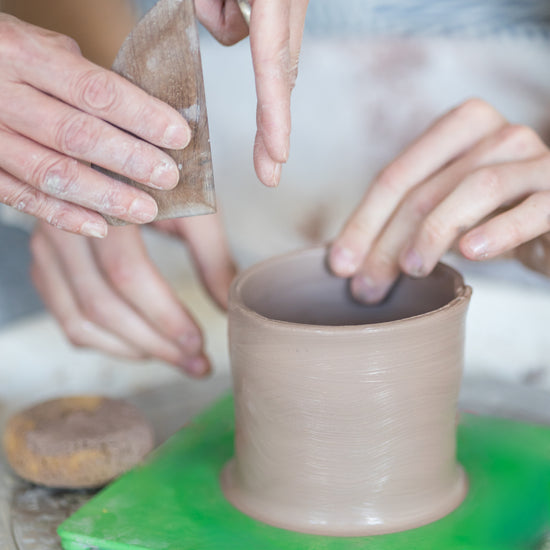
223	19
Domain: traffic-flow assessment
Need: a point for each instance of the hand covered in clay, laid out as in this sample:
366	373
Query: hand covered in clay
276	30
471	178
108	295
58	109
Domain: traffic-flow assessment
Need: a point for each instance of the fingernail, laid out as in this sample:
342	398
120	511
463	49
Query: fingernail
477	245
413	263
143	210
364	289
94	229
191	342
197	366
165	175
344	261
286	153
177	136
276	176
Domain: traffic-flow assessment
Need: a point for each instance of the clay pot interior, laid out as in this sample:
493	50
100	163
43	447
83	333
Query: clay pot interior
345	414
300	289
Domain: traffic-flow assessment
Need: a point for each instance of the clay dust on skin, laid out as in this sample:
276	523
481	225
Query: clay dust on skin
59	186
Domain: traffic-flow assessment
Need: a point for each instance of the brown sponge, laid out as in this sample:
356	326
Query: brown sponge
76	442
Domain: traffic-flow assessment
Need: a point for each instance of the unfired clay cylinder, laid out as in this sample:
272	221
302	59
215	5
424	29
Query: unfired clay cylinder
345	413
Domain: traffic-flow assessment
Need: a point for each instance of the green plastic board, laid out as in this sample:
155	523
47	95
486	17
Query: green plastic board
174	502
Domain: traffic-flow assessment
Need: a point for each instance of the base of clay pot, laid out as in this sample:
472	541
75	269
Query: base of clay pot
296	520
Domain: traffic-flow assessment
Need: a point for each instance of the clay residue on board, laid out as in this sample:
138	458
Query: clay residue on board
152	63
191	113
193	38
344	430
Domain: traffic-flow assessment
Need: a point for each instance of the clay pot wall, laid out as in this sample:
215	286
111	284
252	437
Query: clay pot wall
345	414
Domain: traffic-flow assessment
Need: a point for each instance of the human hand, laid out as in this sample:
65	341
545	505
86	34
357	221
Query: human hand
107	294
452	183
276	30
57	109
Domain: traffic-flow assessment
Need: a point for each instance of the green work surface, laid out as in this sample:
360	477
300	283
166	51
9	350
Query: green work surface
174	502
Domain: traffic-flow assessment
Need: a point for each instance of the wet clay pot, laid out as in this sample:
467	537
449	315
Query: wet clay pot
345	413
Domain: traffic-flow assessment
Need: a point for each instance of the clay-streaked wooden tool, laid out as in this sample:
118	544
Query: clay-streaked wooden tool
161	55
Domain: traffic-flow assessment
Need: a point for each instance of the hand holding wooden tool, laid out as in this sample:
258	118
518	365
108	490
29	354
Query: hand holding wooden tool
161	56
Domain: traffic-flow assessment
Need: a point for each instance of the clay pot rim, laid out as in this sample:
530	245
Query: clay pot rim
463	293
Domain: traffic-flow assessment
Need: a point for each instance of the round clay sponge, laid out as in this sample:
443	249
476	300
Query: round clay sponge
76	442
